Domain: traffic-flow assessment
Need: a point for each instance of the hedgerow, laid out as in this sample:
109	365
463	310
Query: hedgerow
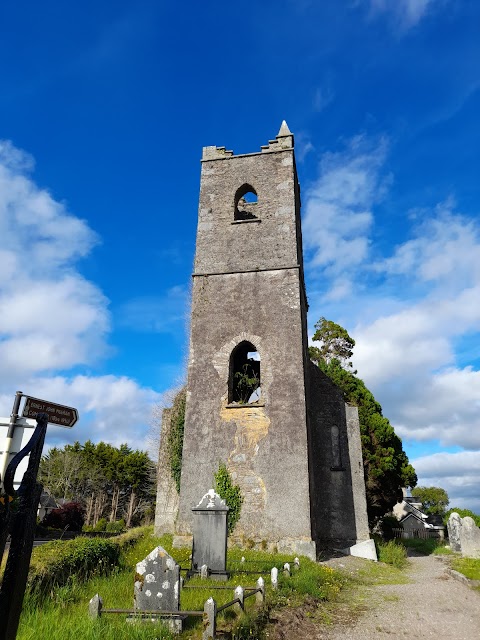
54	563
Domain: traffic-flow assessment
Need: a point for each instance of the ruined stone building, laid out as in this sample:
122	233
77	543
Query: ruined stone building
293	445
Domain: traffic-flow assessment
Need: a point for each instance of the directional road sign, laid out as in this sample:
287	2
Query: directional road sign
57	413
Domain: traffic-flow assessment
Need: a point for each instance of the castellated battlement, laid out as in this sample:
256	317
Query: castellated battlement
284	140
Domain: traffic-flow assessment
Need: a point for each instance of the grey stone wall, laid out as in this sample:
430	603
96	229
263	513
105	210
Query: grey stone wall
333	514
295	453
265	446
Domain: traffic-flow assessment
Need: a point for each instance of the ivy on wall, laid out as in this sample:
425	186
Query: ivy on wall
230	493
175	436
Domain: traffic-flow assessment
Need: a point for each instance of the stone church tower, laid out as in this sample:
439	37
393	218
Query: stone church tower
292	445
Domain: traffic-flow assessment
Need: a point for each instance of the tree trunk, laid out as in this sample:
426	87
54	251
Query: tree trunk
89	513
115	497
131	509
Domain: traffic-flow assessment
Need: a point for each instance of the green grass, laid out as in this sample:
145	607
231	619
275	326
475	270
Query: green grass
63	613
470	567
428	546
392	553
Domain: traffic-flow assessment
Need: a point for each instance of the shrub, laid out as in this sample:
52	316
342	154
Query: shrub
59	560
392	553
71	516
230	493
115	527
100	526
55	564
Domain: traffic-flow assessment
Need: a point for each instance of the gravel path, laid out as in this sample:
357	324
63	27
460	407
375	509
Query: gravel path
432	605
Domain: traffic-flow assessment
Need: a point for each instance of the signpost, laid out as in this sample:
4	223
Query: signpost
57	414
19	522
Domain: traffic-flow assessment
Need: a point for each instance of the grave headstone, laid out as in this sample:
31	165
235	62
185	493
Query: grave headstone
210	536
157	587
470	538
454	526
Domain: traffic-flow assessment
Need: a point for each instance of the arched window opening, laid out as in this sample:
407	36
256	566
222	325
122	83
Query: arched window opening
244	383
245	203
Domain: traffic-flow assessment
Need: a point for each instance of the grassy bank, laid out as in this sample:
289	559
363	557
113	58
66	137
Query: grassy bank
59	610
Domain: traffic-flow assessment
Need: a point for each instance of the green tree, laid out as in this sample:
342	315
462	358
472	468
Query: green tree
386	465
107	481
335	343
434	500
230	493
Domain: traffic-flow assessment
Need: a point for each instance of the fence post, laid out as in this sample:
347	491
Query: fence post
209	620
274	577
260	595
240	594
95	606
286	569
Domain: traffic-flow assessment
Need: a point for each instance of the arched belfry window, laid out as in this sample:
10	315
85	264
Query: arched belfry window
244	379
245	203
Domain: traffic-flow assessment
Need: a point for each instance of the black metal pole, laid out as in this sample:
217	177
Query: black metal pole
22	531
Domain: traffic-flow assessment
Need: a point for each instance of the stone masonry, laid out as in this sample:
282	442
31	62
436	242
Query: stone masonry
294	450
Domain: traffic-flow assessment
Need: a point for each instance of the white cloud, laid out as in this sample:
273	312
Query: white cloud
457	473
338	212
415	314
52	318
405	13
409	357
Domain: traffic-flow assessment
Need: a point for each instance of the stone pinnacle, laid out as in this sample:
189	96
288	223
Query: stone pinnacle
284	130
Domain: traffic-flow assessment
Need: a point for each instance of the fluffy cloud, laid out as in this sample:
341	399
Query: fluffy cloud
52	318
410	356
414	313
338	212
457	473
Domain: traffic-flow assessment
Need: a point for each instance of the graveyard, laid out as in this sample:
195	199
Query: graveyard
61	610
58	605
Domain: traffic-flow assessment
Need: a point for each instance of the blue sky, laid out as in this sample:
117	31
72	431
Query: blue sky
104	110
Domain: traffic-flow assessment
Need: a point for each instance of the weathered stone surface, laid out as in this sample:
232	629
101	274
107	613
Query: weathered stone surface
365	549
290	452
470	538
210	533
454	526
157	583
167	495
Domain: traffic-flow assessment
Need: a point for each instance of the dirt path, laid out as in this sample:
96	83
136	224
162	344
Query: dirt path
431	605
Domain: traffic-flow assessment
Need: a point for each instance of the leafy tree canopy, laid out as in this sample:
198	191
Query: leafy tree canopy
434	500
334	343
386	465
106	481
